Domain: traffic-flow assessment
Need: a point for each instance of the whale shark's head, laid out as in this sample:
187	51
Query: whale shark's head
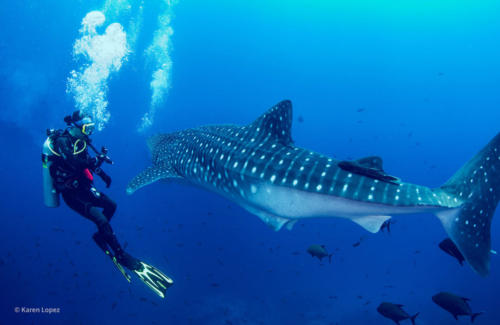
161	145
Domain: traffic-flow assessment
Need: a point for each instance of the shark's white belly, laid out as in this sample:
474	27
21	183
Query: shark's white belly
292	204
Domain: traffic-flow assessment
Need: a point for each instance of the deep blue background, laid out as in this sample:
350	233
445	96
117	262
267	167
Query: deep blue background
416	83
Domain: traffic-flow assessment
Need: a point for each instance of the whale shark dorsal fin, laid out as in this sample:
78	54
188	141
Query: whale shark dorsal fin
276	122
373	162
148	176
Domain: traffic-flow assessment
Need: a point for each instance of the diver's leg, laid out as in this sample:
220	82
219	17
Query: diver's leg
107	235
72	199
108	205
81	202
101	200
84	203
105	231
94	202
99	240
151	276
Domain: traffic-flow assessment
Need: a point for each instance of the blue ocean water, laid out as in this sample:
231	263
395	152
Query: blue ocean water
414	82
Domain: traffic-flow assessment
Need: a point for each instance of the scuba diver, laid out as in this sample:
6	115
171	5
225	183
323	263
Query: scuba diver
69	170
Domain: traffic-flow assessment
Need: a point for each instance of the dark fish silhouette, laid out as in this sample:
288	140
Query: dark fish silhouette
455	305
356	244
386	225
449	247
395	312
319	251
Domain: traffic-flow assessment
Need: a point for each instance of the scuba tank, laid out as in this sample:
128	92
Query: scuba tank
50	195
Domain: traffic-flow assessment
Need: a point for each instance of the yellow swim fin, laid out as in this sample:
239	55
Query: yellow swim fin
154	278
120	267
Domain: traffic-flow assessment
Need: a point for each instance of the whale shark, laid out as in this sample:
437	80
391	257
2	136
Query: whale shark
259	167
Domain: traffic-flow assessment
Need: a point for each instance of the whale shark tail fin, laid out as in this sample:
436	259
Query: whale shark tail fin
477	184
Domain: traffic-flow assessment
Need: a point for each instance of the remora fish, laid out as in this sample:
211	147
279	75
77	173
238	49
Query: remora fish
455	305
386	225
451	249
395	312
258	167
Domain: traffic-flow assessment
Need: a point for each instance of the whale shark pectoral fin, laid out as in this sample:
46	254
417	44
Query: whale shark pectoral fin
273	221
289	225
148	176
371	223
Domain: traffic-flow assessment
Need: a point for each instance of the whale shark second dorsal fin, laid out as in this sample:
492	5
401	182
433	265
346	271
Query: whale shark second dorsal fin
276	123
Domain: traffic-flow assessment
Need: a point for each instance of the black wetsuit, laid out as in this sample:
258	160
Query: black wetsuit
72	171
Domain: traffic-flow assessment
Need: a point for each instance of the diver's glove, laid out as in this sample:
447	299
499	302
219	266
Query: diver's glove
104	158
98	160
105	177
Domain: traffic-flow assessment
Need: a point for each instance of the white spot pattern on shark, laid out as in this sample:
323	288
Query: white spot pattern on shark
258	167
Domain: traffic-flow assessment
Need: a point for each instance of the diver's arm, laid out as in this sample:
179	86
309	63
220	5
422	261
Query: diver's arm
105	177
